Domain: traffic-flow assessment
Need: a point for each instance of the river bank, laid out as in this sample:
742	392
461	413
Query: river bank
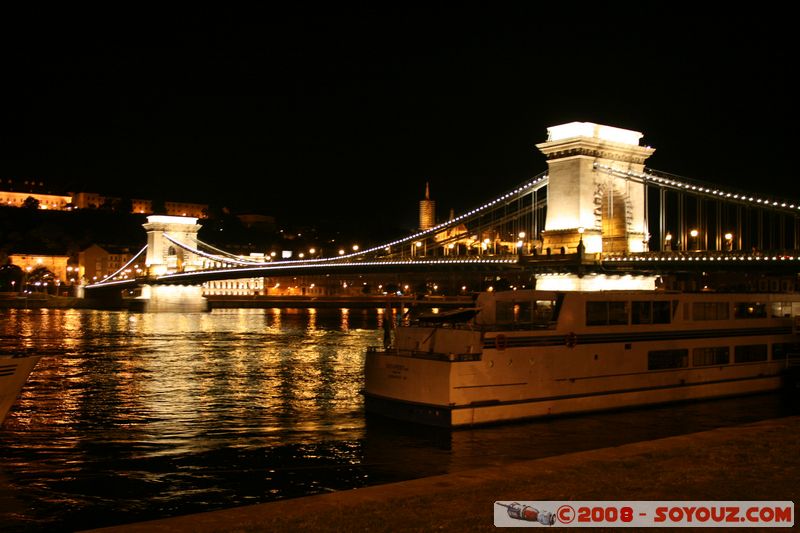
751	462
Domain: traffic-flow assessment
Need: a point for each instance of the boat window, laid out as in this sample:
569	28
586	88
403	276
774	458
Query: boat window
750	310
606	313
641	312
710	311
665	359
617	313
748	353
650	312
783	350
781	309
504	312
524	312
596	313
661	312
717	355
544	311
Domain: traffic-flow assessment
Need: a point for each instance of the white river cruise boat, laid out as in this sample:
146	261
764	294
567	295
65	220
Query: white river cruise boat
525	354
14	372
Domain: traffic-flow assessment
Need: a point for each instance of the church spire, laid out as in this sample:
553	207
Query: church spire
427	210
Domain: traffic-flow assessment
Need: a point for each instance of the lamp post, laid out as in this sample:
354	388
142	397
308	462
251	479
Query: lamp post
694	233
668	242
729	241
25	275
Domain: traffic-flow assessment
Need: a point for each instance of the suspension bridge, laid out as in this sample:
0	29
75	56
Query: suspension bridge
597	208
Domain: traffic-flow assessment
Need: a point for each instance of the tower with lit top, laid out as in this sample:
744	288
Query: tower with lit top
162	255
607	212
427	210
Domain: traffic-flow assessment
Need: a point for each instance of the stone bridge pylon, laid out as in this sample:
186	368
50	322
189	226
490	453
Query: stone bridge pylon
607	212
163	256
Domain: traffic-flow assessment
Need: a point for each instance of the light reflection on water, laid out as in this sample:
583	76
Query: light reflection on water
174	409
130	417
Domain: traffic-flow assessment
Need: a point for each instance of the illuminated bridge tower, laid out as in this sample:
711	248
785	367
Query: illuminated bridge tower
609	211
163	256
166	257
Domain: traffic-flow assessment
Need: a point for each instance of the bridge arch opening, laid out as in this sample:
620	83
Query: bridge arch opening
614	221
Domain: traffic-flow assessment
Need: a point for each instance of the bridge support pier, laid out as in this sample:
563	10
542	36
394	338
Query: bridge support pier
171	298
607	212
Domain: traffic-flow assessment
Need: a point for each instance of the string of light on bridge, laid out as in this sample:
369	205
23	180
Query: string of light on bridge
229	255
290	265
634	258
122	268
741	197
534	184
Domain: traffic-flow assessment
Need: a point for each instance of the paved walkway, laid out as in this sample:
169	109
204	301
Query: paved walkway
759	461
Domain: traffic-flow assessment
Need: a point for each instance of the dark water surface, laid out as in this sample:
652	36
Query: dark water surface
131	417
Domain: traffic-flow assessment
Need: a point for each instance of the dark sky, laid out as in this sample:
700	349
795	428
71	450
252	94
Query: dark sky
344	112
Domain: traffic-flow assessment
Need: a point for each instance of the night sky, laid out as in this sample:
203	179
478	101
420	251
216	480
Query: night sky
326	115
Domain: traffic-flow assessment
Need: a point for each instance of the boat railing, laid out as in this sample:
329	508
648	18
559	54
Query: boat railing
444	325
502	326
519	326
420	354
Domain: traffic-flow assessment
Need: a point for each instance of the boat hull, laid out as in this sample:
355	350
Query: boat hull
14	372
446	393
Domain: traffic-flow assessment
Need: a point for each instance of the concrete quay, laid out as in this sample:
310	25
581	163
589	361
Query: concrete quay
758	461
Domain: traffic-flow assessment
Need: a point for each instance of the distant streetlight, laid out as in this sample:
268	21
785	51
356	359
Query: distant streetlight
668	241
355	247
729	241
694	233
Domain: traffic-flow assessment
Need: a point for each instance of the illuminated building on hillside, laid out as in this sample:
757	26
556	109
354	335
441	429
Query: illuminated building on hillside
46	201
93	200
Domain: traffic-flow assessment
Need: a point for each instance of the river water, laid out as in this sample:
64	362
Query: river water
131	417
